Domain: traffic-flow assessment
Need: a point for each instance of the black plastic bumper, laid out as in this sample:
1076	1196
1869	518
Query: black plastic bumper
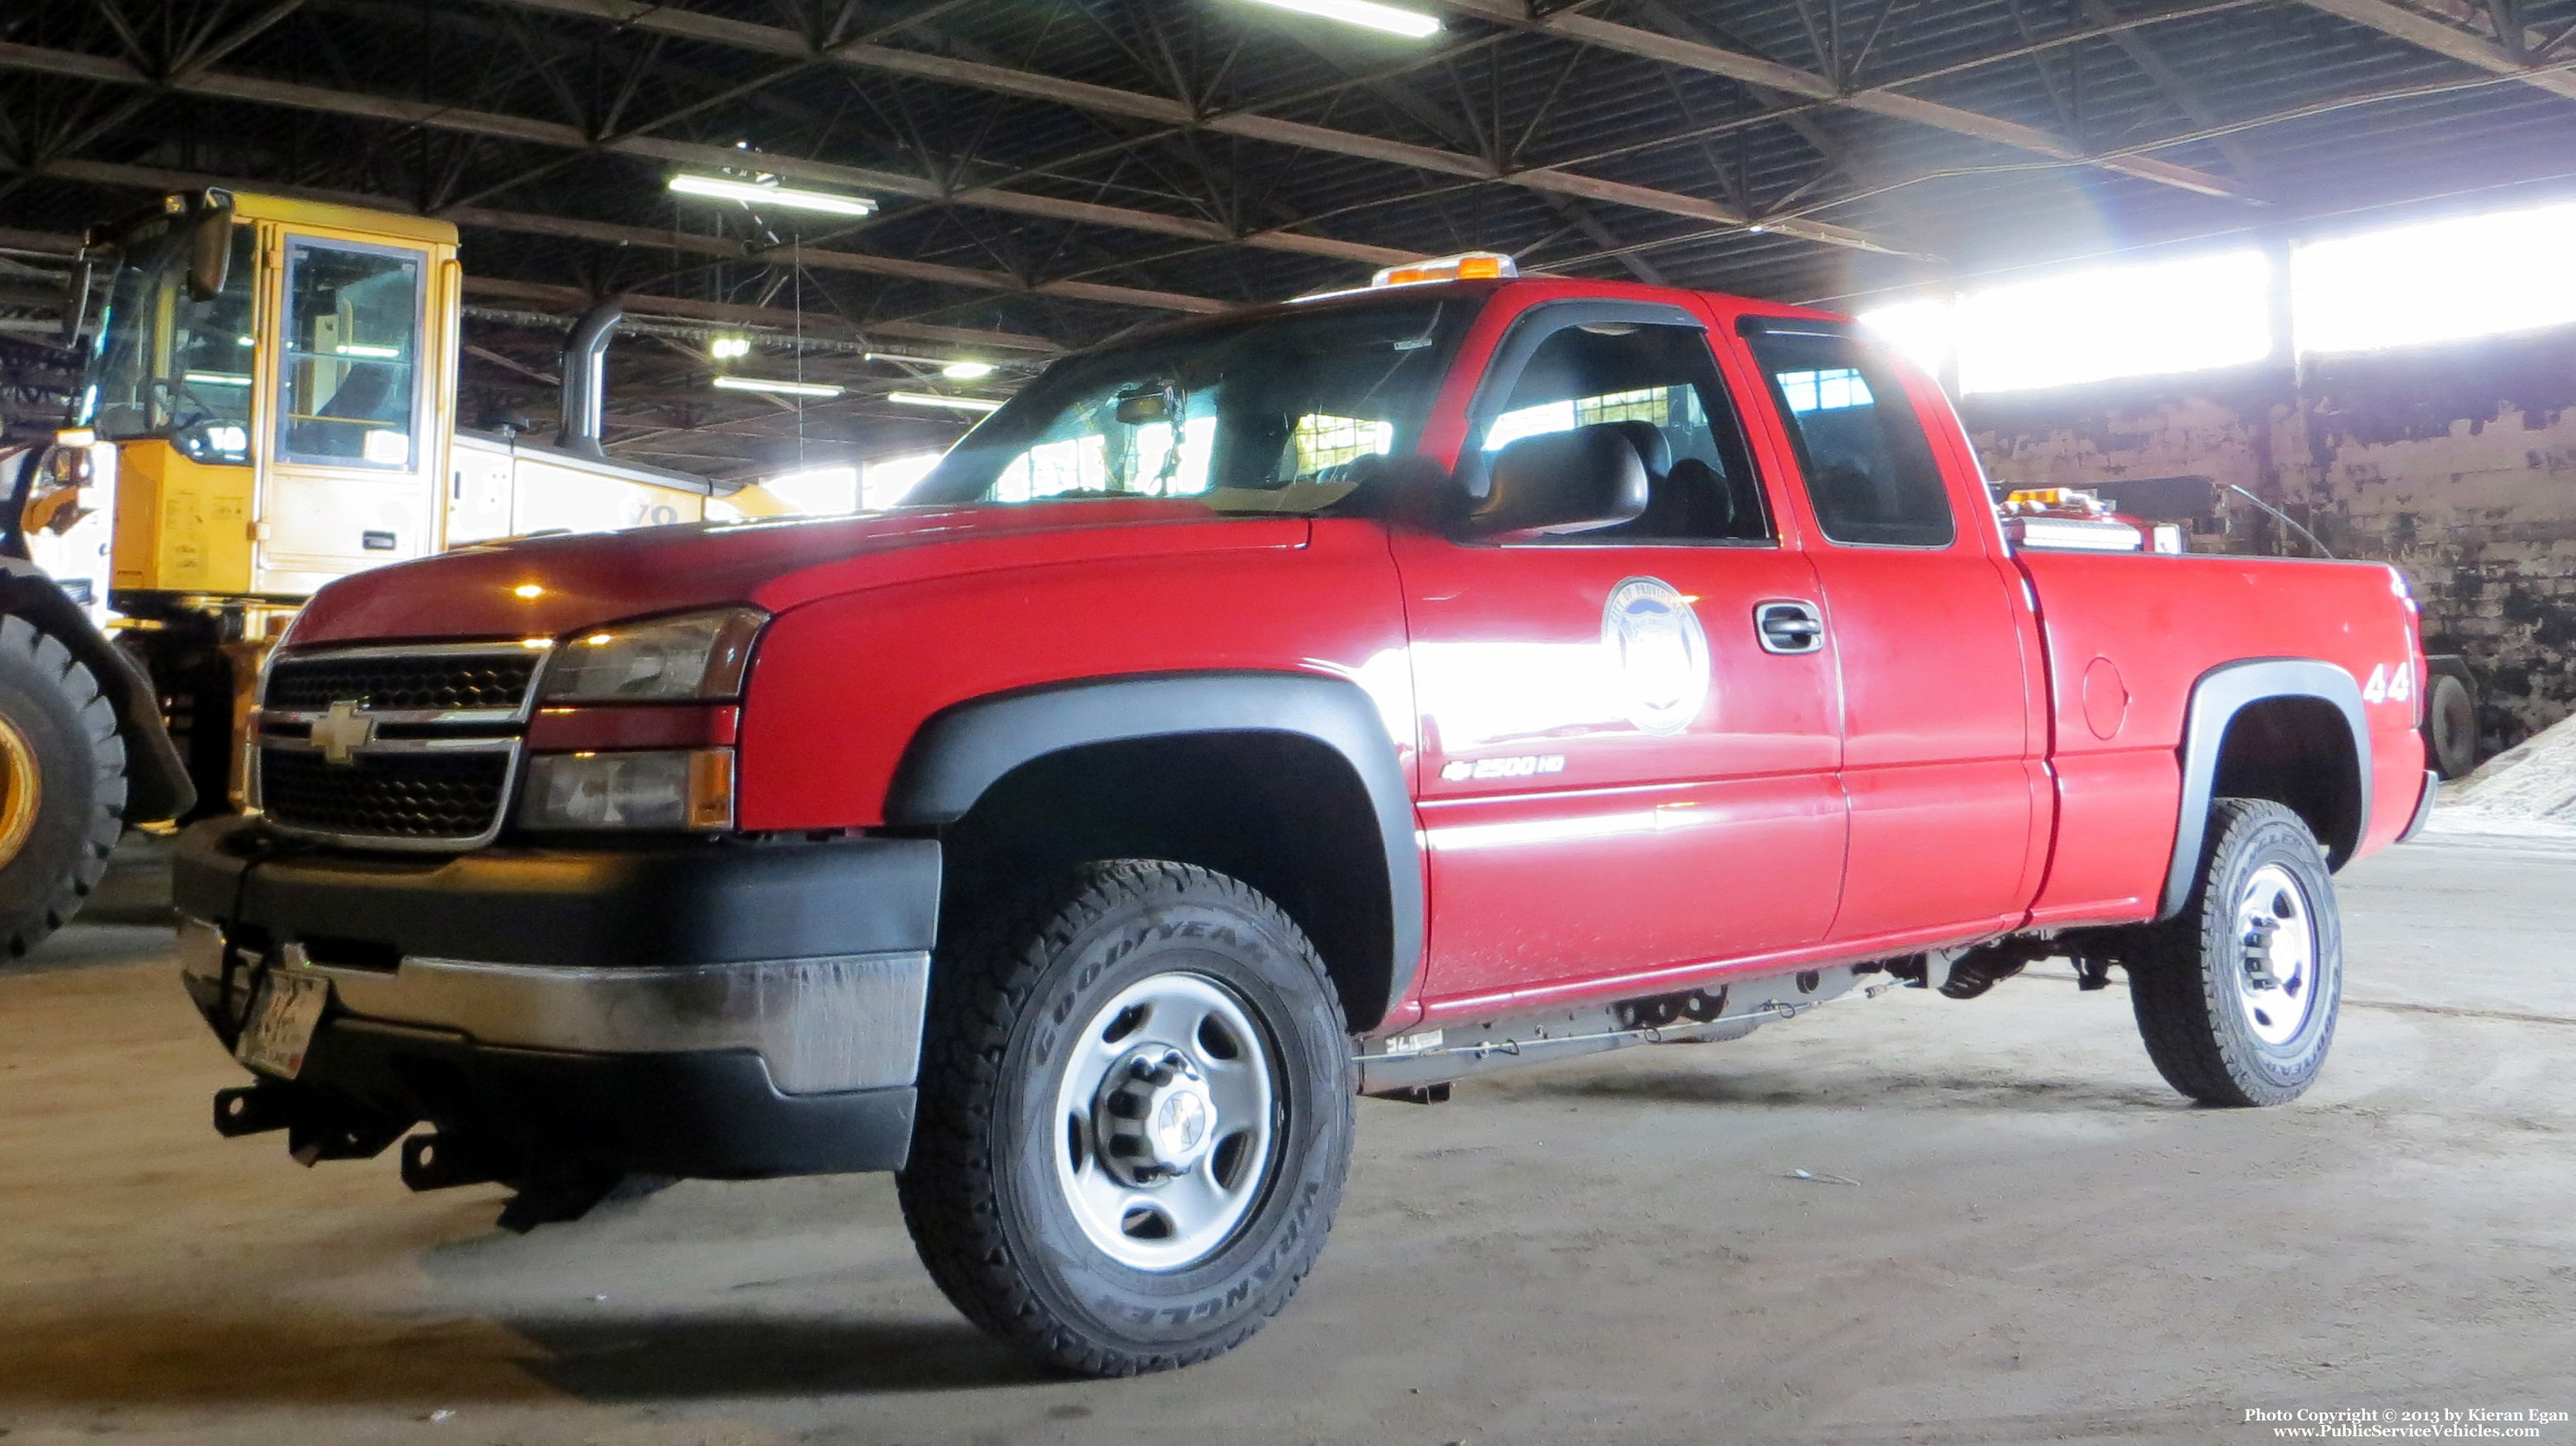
695	903
861	912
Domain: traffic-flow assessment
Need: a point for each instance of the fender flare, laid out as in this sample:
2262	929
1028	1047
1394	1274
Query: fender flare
157	785
2216	699
967	748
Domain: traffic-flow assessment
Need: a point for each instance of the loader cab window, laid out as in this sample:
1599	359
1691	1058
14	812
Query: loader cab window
1867	465
164	360
353	324
1660	386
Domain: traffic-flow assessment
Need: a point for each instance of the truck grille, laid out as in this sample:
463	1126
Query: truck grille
417	798
495	678
402	747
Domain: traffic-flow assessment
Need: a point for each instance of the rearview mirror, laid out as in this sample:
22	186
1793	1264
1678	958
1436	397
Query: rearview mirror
1561	482
1142	405
210	251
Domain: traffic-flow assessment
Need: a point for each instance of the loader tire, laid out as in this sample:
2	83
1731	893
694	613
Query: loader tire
62	785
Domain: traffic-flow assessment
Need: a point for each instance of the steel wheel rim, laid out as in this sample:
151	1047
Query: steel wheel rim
2276	937
1160	1165
22	790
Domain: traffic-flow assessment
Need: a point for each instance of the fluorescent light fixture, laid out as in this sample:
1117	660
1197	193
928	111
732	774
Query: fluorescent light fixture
767	387
380	353
1408	23
217	379
726	348
933	399
770	193
966	371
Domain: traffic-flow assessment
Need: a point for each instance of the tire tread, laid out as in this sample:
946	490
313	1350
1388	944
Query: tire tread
989	980
25	927
2175	997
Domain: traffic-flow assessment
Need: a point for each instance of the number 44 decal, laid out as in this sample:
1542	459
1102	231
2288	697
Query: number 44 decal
2389	685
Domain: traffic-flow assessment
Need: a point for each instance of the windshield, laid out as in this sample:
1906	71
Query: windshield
163	361
1265	415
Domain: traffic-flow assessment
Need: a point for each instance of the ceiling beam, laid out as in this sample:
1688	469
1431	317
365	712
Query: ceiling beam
2174	86
493	125
657	19
2426	33
615	234
1570	24
146	178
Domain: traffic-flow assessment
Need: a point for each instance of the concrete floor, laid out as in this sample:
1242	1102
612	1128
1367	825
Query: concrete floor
2043	1242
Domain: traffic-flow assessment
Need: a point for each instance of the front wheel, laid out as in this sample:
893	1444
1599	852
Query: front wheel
2236	996
1135	1120
62	785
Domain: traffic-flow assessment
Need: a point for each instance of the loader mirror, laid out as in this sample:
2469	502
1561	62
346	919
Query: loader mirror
76	289
210	251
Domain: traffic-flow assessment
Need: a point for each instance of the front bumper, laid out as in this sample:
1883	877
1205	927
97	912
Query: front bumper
722	1010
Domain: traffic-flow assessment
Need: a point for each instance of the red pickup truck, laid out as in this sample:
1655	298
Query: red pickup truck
1339	697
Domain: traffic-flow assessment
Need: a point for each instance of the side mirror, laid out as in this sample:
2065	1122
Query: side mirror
1560	482
210	251
76	289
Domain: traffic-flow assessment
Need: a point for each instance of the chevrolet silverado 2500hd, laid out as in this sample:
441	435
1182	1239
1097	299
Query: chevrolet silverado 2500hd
1341	697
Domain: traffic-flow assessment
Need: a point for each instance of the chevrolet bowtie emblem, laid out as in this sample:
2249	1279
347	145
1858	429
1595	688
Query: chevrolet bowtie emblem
341	731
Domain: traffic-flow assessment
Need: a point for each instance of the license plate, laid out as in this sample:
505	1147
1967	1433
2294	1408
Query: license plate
282	1021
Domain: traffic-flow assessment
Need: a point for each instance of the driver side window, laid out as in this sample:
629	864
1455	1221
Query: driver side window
1659	385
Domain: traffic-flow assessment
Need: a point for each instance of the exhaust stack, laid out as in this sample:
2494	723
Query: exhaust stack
585	378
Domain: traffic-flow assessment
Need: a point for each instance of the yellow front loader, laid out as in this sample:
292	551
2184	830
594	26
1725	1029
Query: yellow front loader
269	404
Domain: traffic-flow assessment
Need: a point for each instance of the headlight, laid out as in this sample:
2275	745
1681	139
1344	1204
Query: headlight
698	655
681	789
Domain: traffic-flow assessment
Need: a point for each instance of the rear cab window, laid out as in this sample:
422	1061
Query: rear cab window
1863	457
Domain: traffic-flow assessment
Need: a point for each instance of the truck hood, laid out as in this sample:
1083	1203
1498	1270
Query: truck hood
549	586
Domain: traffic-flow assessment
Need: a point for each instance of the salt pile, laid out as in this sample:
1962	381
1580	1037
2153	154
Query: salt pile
2526	789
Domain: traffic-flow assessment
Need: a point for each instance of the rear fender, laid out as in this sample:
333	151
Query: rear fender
2217	699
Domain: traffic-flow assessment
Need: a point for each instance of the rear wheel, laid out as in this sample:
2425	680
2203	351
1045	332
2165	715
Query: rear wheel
1135	1120
2236	996
62	785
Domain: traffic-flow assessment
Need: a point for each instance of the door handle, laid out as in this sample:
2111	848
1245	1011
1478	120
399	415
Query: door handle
1789	627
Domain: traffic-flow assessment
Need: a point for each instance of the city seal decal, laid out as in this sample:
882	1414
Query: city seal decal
1655	642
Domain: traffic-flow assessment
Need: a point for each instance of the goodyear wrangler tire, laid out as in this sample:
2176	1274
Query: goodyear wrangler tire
62	785
2236	996
1135	1120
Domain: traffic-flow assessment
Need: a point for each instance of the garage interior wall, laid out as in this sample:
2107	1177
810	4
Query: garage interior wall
2455	462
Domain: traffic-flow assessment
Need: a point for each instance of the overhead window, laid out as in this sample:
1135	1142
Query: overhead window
817	490
1825	391
2412	285
2094	325
1868	467
883	483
